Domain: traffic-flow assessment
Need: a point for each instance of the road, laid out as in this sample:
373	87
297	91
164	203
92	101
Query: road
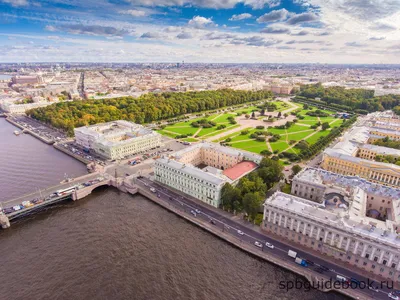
250	236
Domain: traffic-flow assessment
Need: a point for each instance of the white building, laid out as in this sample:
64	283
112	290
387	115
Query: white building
203	169
118	139
339	234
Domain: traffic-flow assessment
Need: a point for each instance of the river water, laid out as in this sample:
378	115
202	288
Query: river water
26	164
111	245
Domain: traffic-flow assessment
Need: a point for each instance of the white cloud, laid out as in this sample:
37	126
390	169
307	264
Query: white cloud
50	28
201	22
134	12
16	3
240	17
275	15
260	4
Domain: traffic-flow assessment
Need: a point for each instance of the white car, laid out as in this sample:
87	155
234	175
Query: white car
258	244
269	245
393	296
197	211
240	232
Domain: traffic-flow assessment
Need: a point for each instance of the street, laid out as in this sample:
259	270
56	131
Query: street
248	235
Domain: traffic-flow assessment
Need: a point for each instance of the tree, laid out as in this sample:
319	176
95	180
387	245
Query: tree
253	115
296	169
279	114
247	116
252	203
325	126
262	112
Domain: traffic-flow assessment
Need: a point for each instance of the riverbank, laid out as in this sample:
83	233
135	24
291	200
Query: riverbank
299	270
25	130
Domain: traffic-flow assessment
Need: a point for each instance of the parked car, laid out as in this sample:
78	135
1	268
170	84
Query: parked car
193	213
240	232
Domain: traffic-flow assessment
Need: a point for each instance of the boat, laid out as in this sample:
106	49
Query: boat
16	132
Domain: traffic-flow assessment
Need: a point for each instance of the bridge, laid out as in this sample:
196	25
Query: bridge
80	188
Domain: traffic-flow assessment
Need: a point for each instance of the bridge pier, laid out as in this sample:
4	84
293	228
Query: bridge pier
4	221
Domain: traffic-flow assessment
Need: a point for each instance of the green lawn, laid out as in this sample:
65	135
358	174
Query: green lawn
181	130
191	140
229	127
166	133
252	146
247	110
279	145
313	139
221	119
298	135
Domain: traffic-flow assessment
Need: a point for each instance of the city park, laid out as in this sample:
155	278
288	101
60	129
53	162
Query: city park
276	127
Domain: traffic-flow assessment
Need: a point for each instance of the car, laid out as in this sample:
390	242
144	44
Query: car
197	211
393	296
146	184
269	245
193	213
212	222
373	288
258	244
158	195
324	268
240	232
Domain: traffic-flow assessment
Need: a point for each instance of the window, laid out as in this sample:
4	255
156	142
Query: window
367	255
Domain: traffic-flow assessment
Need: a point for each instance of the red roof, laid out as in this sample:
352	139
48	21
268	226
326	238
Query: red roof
239	170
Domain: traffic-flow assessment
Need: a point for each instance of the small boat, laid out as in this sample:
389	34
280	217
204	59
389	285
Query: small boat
16	132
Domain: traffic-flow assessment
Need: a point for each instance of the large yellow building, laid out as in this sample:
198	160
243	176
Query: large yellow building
354	156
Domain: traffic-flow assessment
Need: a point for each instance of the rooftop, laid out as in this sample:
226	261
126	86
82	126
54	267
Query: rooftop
239	170
317	212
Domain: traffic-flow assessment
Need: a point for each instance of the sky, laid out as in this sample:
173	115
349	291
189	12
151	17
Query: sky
215	31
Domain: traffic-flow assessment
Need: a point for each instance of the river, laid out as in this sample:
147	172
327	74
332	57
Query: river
111	245
26	164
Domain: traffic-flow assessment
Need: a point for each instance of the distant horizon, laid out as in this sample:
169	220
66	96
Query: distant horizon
202	63
201	31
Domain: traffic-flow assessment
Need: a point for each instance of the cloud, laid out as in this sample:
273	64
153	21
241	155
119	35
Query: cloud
240	17
275	30
172	29
382	27
302	18
150	35
360	9
375	38
184	36
324	33
16	3
134	13
258	41
305	42
95	30
285	48
201	22
218	36
355	44
301	33
275	15
260	4
50	28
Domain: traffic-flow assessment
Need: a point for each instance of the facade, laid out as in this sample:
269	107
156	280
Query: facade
354	155
201	170
14	108
118	139
26	79
341	234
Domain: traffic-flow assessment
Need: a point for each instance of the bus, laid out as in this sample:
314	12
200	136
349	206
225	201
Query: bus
66	191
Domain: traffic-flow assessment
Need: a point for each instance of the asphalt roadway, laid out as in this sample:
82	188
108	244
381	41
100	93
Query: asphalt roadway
249	235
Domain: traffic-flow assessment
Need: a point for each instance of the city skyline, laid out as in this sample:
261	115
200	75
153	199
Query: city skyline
240	31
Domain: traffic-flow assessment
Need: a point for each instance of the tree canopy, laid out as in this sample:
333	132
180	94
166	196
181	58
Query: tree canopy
144	109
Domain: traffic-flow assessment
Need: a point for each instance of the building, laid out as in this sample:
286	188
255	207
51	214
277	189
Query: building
117	139
354	155
201	170
26	79
342	233
329	188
